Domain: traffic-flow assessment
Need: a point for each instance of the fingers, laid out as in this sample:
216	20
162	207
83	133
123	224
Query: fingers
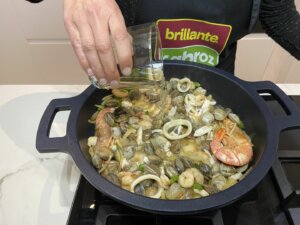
104	50
93	26
74	36
76	44
122	42
89	49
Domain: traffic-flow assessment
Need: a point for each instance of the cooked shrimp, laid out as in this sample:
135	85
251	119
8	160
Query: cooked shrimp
231	145
199	178
103	129
186	179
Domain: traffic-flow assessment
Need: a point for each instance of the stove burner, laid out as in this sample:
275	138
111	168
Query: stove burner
275	201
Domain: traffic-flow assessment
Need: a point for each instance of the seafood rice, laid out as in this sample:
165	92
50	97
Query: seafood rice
174	142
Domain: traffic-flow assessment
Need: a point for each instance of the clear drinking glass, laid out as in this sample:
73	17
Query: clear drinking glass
147	56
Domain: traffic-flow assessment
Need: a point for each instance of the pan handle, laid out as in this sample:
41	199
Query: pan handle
292	119
45	144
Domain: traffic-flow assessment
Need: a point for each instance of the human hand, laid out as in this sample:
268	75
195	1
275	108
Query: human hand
99	38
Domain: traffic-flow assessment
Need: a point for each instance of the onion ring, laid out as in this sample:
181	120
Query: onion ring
174	123
146	177
180	82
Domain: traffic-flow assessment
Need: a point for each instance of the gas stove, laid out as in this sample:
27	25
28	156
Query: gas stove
275	201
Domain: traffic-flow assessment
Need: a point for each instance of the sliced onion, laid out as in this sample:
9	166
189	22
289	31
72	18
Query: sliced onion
146	177
172	112
177	130
157	131
139	138
205	106
181	82
190	108
174	123
191	99
124	163
202	130
146	160
204	193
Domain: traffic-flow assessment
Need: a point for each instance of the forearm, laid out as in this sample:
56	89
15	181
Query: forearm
281	21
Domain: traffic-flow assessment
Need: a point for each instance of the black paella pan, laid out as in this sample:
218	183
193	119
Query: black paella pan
241	96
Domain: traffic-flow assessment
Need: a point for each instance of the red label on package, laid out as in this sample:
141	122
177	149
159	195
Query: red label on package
193	40
186	32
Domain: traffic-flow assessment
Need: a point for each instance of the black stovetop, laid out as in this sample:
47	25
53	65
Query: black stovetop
275	201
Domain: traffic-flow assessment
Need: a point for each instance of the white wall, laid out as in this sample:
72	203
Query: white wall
34	49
